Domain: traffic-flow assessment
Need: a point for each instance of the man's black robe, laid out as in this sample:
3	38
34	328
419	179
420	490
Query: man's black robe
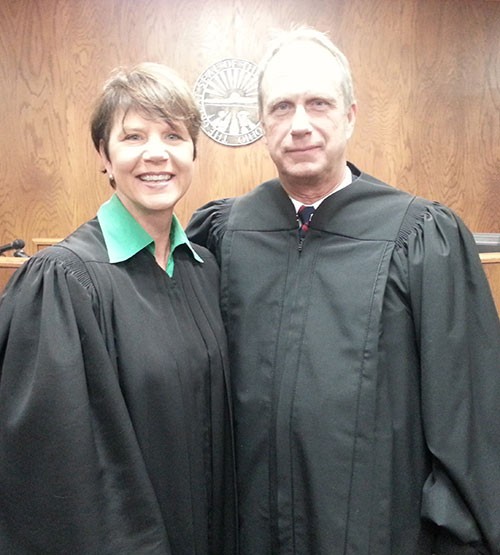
366	374
114	412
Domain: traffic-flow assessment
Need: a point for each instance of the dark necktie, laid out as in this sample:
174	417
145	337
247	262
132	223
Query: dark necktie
304	217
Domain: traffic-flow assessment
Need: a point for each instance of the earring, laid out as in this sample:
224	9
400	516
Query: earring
112	180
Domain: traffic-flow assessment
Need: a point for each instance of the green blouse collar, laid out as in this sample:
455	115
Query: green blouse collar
125	237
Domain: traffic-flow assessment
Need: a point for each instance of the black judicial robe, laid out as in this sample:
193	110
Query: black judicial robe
365	368
114	414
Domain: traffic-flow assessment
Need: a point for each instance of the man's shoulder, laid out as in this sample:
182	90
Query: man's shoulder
271	188
391	195
372	209
378	186
266	207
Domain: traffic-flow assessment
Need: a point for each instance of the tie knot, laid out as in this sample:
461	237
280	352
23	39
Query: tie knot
304	216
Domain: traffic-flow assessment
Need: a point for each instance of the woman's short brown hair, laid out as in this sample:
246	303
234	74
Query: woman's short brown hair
152	89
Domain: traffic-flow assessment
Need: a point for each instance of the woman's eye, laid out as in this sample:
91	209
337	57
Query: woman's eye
132	137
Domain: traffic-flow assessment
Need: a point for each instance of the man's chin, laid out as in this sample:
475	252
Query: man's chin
302	171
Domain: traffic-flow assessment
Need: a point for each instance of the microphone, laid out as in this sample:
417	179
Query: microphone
17	244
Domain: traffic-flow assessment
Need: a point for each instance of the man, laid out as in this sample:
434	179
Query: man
365	345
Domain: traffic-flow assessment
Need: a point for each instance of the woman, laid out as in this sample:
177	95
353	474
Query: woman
114	412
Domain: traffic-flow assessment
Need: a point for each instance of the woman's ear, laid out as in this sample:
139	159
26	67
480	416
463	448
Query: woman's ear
107	164
103	155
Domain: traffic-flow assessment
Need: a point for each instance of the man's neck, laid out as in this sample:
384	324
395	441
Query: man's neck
309	192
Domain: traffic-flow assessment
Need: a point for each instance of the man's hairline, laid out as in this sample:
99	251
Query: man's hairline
347	102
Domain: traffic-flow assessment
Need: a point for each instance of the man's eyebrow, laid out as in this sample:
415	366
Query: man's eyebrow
277	100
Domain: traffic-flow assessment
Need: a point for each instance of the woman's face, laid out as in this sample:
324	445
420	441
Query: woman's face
151	162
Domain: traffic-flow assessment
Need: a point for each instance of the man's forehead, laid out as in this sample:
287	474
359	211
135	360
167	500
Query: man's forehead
301	61
301	52
310	72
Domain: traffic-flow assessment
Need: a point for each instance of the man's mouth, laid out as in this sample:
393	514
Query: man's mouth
300	150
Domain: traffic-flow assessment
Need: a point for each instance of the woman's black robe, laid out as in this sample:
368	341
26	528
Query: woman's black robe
114	413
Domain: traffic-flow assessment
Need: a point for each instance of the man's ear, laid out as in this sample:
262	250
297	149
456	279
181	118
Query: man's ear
351	119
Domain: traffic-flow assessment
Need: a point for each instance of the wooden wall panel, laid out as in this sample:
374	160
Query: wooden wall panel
8	266
491	265
427	75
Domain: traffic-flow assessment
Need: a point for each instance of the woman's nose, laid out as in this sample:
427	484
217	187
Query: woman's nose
156	150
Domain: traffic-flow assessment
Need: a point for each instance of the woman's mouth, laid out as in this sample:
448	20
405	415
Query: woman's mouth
156	178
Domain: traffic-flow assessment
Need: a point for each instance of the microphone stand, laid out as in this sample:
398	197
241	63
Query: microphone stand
20	254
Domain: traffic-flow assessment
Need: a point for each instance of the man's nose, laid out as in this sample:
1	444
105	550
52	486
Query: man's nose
301	122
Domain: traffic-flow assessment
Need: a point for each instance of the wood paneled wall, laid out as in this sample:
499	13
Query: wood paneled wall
427	75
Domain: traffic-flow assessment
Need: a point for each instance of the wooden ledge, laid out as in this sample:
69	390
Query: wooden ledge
490	257
11	261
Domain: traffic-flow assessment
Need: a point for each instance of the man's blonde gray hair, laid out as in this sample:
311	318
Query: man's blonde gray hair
307	34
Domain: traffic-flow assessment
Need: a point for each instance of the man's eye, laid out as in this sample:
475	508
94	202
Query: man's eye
320	103
281	107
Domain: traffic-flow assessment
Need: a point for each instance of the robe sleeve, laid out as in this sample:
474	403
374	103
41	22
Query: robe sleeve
208	225
72	479
458	334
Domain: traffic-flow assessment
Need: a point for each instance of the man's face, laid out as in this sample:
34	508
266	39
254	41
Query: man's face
304	117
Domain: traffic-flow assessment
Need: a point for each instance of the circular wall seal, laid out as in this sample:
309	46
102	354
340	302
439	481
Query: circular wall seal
227	96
